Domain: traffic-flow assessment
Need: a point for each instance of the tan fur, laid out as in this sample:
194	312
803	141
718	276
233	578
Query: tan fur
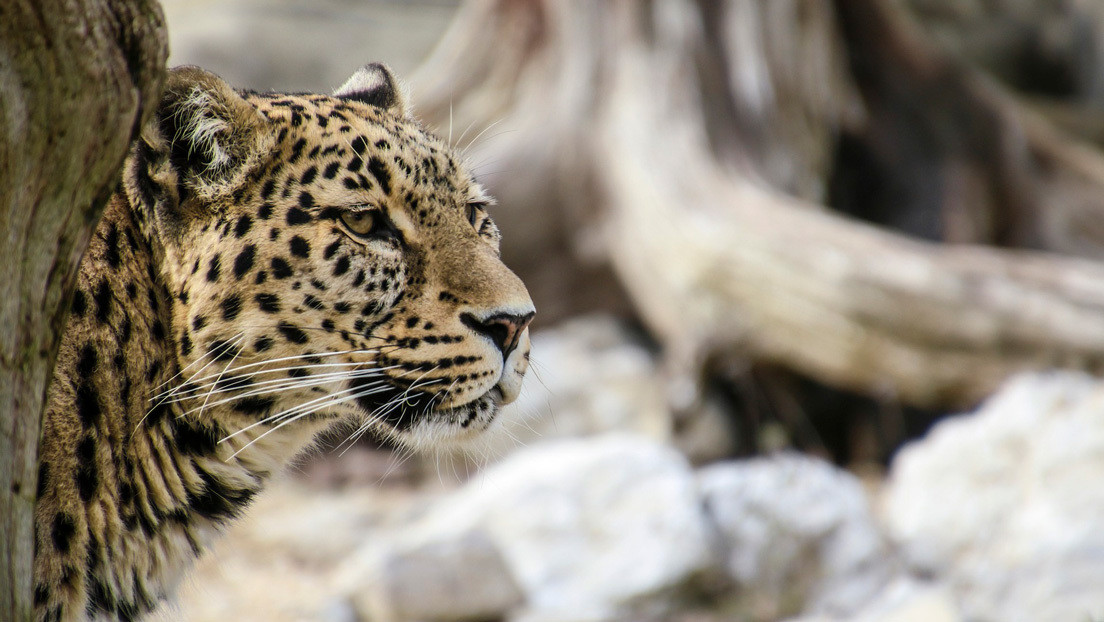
227	313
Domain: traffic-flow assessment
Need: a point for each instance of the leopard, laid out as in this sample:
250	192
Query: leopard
270	268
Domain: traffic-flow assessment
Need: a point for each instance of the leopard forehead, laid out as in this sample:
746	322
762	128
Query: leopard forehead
345	149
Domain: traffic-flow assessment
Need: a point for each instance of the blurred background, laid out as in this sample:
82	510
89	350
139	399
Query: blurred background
820	313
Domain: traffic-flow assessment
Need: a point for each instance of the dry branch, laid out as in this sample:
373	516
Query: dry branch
660	137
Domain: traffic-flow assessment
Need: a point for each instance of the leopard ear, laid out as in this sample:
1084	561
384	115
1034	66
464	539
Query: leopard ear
374	84
210	132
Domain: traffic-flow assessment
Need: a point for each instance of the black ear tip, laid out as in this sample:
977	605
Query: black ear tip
378	97
373	84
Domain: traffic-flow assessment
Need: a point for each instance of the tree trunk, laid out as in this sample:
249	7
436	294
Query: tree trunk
692	146
77	80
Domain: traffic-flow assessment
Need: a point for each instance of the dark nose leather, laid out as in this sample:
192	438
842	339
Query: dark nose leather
503	329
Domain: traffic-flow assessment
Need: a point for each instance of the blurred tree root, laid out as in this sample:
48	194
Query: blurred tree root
695	148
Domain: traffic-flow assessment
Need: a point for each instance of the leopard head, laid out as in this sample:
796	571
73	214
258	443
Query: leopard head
330	260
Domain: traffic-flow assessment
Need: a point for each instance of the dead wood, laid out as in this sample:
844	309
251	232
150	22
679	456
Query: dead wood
76	81
690	146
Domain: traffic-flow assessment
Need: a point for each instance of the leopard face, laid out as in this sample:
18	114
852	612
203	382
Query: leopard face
329	260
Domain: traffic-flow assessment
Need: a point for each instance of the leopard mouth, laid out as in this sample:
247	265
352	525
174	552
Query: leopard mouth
400	408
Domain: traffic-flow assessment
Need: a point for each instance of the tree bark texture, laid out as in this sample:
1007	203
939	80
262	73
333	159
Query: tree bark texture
693	146
77	80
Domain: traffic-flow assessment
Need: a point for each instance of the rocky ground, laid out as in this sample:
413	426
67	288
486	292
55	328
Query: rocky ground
993	516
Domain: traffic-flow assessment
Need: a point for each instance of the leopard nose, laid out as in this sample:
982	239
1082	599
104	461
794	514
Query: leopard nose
503	329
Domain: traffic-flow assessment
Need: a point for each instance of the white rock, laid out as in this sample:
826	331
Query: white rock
587	526
1005	504
277	563
907	600
588	376
798	535
415	578
904	600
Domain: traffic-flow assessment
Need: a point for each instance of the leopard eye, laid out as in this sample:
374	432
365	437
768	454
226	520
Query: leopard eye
360	223
475	210
368	224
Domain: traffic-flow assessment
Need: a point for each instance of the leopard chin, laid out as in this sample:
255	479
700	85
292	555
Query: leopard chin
418	418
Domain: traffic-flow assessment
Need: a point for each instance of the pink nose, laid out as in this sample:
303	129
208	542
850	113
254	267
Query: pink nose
503	329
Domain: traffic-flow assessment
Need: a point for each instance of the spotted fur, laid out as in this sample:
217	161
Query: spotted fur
271	266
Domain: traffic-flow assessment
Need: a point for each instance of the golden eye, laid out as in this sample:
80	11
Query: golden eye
361	223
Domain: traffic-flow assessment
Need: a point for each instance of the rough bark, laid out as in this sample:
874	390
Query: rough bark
77	78
690	145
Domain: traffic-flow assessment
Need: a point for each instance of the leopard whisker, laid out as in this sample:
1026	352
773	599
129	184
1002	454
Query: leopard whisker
452	465
385	408
451	385
228	366
402	397
354	436
268	362
494	136
398	401
229	344
195	388
381	411
214	354
193	364
306	407
404	454
463	134
292	384
281	385
290	419
437	465
464	150
485	174
358	391
183	395
536	367
375	416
